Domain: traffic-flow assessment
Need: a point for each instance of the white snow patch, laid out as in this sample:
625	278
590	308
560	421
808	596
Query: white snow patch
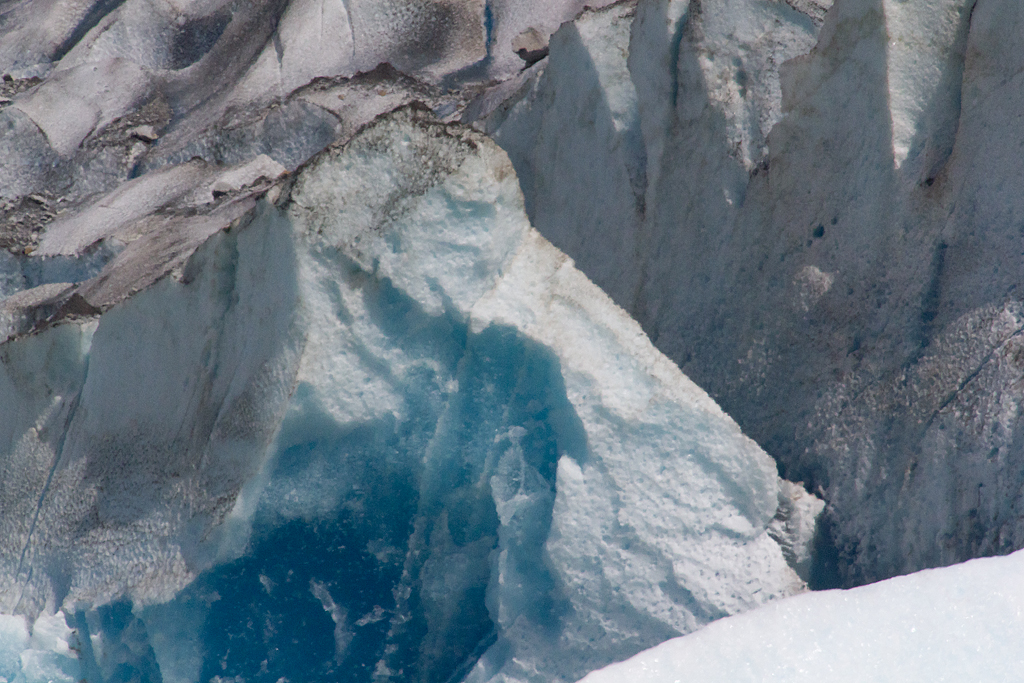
960	623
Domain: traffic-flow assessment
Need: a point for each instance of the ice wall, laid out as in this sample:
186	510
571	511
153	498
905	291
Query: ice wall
826	240
365	423
811	207
574	137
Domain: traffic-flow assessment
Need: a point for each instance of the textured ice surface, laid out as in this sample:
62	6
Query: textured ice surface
209	371
827	241
213	79
962	623
578	126
603	110
44	653
371	426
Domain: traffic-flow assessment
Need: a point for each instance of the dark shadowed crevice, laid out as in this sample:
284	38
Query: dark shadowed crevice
682	29
499	438
126	656
196	37
930	300
88	22
825	573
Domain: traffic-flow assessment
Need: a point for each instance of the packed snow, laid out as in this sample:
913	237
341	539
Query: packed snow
961	623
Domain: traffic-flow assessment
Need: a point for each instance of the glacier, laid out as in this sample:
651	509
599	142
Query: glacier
369	407
816	215
318	356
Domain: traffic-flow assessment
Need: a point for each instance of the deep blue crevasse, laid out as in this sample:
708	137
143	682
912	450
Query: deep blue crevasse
374	543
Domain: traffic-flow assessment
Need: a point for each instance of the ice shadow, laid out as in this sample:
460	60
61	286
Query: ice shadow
935	134
718	295
374	543
583	183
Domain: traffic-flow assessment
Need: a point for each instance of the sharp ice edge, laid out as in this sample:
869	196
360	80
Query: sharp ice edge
437	420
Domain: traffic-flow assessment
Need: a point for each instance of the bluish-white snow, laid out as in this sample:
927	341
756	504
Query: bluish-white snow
959	623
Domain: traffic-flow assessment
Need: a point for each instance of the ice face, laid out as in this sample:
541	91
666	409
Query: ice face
269	411
602	114
826	225
957	623
375	428
585	80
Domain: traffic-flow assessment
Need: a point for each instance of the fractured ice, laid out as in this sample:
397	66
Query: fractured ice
379	429
290	389
827	239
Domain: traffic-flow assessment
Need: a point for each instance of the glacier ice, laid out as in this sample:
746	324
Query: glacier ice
826	240
600	115
958	623
371	425
577	125
290	386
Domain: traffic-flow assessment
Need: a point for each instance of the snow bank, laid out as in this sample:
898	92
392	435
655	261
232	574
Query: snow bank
962	623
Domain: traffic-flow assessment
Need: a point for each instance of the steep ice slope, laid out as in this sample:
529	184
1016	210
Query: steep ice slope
828	242
595	132
575	141
364	425
960	623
